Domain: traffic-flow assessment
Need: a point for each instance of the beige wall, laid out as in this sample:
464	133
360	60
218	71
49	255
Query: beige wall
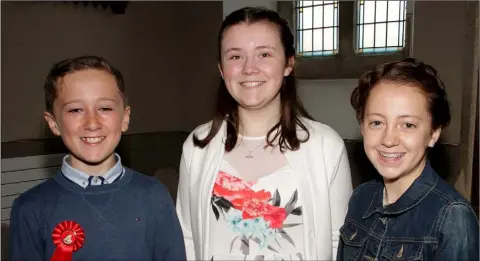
166	51
444	43
232	5
447	44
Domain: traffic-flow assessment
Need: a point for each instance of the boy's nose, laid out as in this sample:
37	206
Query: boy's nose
92	123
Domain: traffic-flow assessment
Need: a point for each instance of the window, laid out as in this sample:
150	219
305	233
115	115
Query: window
317	27
344	39
380	26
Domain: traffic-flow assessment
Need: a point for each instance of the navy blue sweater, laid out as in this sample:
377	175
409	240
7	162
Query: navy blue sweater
131	219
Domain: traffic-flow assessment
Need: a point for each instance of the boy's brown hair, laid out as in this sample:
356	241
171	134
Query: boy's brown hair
67	66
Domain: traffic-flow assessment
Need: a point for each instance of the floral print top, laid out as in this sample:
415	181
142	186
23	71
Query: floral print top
260	220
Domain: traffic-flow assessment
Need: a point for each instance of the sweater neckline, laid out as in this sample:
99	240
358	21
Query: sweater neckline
105	188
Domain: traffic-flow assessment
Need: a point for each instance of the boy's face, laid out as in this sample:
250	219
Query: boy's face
90	116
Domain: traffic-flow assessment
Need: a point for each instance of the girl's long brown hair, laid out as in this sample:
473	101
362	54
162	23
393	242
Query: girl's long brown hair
292	110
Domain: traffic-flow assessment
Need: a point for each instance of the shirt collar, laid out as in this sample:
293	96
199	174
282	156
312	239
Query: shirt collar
420	188
81	178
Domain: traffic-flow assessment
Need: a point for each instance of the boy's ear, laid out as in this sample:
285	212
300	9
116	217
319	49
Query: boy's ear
52	123
126	119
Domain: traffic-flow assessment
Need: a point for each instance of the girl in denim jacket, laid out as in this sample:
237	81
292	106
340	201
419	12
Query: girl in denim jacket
412	214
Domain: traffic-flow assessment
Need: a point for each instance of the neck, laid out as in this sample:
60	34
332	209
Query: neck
394	189
93	169
256	123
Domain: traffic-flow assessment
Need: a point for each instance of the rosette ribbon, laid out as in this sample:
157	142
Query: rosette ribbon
68	237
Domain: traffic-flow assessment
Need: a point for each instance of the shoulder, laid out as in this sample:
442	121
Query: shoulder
200	132
322	131
459	211
190	151
454	205
361	199
326	135
143	181
448	193
366	188
37	196
153	186
364	191
457	218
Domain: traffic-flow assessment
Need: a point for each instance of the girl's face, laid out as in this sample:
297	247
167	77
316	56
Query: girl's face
253	64
397	129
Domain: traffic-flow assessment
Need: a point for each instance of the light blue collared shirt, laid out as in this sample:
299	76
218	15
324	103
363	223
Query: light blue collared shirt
83	179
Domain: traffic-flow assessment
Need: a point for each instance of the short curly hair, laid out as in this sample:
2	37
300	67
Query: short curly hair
407	71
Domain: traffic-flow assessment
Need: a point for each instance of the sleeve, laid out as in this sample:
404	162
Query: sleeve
340	193
458	234
183	208
168	227
26	243
339	253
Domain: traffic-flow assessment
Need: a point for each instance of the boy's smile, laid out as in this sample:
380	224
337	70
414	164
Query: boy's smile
92	140
90	116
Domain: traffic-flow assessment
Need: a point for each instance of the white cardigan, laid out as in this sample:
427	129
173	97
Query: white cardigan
320	165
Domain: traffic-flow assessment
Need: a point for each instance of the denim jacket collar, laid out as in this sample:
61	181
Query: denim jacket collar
420	188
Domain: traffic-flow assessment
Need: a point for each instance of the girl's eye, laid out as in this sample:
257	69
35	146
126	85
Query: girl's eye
234	57
265	55
106	109
375	123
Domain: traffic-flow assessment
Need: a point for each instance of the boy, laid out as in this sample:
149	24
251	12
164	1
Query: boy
94	208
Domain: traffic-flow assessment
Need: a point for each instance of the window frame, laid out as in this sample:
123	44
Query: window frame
347	63
335	37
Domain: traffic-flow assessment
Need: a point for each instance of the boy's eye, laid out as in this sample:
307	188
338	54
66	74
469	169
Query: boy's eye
106	109
234	57
410	125
74	110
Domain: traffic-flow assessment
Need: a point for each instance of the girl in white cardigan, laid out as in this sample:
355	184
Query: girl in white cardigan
262	180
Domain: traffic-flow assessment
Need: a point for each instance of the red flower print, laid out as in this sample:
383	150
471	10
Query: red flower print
276	216
230	187
254	204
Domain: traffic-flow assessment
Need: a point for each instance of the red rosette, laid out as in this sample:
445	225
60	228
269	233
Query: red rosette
68	237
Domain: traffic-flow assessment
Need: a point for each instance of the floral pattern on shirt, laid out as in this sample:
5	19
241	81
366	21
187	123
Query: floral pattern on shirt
253	215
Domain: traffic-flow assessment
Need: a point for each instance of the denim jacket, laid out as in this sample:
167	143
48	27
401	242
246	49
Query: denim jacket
430	221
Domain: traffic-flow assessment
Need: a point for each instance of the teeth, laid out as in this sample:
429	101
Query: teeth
251	84
391	155
93	140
